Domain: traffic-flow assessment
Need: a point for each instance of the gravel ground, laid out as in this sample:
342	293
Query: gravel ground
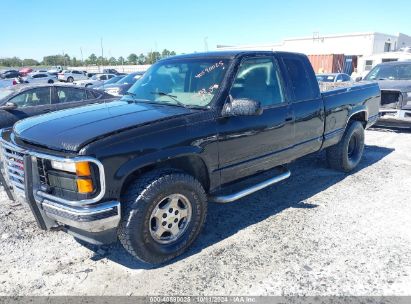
319	233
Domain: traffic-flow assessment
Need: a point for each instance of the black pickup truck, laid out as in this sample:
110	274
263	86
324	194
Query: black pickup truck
195	128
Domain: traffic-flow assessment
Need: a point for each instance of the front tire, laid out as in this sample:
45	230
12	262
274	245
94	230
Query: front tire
70	79
163	213
347	154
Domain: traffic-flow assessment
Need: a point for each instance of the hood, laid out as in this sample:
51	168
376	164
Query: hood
398	85
71	129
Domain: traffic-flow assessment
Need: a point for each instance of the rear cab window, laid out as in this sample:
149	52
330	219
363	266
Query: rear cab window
302	83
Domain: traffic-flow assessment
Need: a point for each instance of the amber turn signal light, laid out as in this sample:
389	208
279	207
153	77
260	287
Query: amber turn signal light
85	186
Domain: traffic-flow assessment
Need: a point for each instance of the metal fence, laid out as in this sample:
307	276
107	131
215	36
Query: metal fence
119	68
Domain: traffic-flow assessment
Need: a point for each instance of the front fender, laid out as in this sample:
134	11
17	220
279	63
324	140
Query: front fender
131	166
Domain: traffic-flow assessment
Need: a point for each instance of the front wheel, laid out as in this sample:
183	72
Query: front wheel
347	154
163	213
70	79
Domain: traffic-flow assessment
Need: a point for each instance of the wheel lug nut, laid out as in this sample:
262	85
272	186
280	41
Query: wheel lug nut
164	223
170	225
176	212
164	215
176	220
170	210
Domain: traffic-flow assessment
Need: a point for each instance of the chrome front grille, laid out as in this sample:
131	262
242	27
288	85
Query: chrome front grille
13	161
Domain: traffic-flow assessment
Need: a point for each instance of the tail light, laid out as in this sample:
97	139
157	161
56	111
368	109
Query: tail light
14	82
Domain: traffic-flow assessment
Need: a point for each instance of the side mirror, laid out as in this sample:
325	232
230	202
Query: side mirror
8	106
242	107
358	78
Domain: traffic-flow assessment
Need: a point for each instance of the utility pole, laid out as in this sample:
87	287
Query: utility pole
205	44
82	59
102	51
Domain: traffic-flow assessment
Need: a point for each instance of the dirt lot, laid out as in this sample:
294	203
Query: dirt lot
319	233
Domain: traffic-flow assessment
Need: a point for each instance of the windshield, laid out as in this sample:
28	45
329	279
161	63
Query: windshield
130	78
187	82
390	71
326	78
114	79
4	93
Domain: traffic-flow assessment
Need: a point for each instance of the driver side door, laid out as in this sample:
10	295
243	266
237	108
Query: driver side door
250	144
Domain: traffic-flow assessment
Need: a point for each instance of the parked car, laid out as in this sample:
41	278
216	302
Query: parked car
100	86
110	71
71	75
20	102
25	71
40	78
394	79
55	69
120	87
96	79
333	77
194	128
8	74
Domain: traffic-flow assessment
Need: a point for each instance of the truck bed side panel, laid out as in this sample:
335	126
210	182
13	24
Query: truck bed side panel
341	104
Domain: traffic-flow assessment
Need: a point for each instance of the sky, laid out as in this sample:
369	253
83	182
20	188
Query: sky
36	28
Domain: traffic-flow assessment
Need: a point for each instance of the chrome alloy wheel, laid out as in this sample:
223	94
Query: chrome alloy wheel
170	218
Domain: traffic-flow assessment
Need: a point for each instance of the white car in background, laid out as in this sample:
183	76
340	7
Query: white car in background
71	75
40	78
94	80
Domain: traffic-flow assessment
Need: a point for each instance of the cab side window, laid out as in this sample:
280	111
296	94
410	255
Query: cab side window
258	79
302	85
31	98
70	94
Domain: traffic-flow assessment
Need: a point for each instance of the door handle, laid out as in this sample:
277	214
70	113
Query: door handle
290	118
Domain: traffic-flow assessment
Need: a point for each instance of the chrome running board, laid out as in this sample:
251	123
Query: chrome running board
247	191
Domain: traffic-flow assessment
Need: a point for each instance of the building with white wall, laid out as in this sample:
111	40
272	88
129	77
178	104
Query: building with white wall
358	44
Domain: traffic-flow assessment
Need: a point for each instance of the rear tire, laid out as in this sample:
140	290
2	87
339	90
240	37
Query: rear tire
70	79
50	81
347	154
154	229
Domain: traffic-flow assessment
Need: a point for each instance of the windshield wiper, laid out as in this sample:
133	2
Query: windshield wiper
178	103
173	97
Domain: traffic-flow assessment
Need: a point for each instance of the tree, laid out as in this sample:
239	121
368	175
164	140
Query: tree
141	59
112	61
30	62
165	53
152	57
132	58
11	62
92	59
121	60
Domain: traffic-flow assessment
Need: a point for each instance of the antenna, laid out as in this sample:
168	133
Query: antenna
102	52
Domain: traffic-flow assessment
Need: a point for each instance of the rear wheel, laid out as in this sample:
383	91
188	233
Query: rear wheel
50	81
163	213
70	79
347	154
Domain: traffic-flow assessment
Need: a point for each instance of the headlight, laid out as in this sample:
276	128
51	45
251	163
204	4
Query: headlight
64	166
409	94
83	174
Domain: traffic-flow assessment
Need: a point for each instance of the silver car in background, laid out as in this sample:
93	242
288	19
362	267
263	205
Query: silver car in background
40	78
97	79
71	75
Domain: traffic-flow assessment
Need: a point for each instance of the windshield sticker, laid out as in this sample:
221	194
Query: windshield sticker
205	93
210	69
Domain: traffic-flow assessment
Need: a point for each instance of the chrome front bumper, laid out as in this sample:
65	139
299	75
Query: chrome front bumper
395	118
97	218
21	175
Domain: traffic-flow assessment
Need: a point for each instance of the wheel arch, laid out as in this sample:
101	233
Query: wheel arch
191	163
358	114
